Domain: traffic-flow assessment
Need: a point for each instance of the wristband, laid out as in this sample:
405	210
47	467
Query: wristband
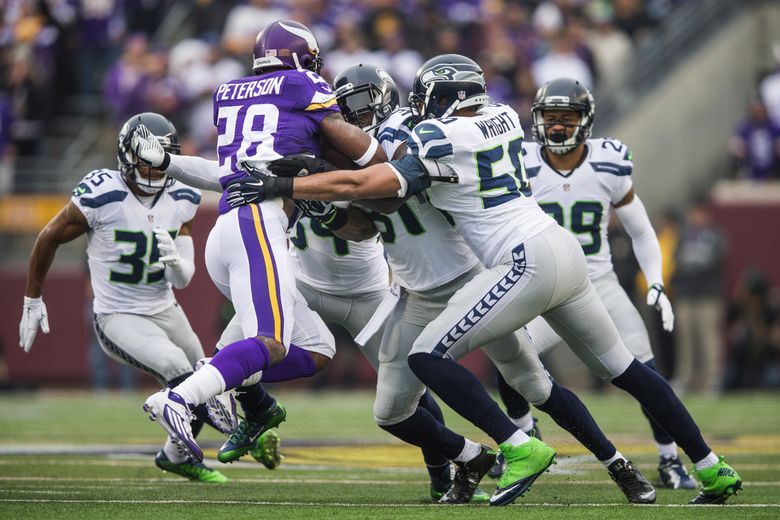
369	153
278	187
166	162
336	221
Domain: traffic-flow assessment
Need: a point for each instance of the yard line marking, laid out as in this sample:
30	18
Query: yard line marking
365	505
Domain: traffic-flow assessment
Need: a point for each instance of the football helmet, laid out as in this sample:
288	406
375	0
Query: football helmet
165	133
286	44
563	94
366	95
445	84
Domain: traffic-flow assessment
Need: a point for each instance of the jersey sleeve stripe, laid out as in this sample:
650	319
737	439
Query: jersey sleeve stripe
320	106
102	200
614	169
185	194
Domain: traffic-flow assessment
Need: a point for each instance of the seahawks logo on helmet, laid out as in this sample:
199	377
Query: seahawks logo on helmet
448	72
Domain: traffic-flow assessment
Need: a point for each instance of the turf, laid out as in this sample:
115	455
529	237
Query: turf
66	455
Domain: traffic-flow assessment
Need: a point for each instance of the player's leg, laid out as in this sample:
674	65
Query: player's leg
139	342
634	334
581	319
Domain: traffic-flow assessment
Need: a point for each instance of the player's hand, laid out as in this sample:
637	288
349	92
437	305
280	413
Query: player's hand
656	297
147	148
299	165
169	255
33	316
246	191
316	209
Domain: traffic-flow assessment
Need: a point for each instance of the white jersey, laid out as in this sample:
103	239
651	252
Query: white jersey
581	200
491	202
121	248
334	265
423	248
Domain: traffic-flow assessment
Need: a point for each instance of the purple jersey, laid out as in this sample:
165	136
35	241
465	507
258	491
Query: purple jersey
263	118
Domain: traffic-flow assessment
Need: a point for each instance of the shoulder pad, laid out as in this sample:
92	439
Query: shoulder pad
98	182
531	159
429	141
610	156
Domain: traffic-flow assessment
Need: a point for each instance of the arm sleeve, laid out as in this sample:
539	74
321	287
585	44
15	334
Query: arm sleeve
411	173
634	218
195	171
181	275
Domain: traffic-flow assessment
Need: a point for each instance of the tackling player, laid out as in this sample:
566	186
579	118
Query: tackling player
474	152
138	247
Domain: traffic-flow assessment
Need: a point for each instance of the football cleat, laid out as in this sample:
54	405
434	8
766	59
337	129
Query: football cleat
498	467
718	483
467	477
249	429
174	415
222	412
673	474
193	471
631	482
266	450
524	463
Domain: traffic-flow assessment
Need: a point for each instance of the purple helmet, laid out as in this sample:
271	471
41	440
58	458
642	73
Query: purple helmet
286	44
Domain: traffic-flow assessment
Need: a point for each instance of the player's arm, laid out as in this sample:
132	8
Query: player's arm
67	225
177	254
350	140
633	216
389	205
353	224
191	170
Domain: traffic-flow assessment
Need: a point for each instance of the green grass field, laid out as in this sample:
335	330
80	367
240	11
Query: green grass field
78	455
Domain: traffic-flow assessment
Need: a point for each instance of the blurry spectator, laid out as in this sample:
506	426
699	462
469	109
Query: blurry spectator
770	87
667	228
350	49
160	91
697	283
7	150
100	29
144	15
753	353
525	92
400	62
209	17
244	22
611	48
632	18
578	32
756	144
561	61
123	82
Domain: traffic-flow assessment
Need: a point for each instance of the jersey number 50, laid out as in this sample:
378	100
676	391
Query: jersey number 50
513	185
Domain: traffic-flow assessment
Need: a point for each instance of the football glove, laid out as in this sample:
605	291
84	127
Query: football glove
656	297
148	149
169	255
317	209
260	187
33	316
299	165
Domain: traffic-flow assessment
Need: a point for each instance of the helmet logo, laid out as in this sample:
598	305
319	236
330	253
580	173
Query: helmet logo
557	99
302	33
461	95
384	76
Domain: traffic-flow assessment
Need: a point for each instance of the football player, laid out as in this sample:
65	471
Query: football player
467	153
285	107
138	246
578	181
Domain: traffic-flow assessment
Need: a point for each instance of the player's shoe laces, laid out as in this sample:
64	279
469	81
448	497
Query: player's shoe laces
222	412
193	471
524	463
467	477
718	483
631	482
266	450
498	467
174	415
673	474
250	428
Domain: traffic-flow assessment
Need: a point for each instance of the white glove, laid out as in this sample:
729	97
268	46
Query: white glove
147	148
169	255
656	297
33	316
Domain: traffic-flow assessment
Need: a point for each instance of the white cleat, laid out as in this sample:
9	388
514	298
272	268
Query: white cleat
173	413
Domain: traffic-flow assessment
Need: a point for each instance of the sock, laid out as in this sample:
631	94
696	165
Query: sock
570	413
613	458
254	399
517	438
298	363
172	452
659	434
422	430
516	405
462	392
470	450
654	393
710	460
667	451
240	360
433	459
525	423
201	386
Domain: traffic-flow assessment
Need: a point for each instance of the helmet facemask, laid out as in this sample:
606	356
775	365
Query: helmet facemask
365	106
136	172
561	143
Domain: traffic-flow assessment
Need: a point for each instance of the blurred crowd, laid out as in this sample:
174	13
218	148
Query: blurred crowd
123	50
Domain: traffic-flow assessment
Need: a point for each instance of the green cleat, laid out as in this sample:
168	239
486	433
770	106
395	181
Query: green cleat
524	464
479	496
718	483
194	471
266	450
249	429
